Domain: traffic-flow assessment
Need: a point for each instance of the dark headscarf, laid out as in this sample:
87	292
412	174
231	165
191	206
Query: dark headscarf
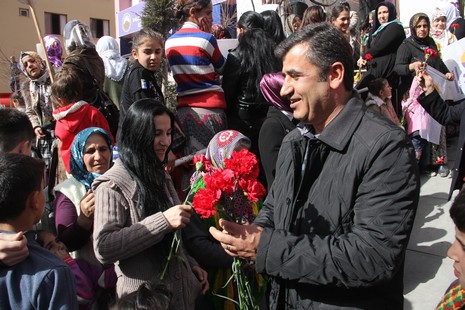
78	167
413	33
392	14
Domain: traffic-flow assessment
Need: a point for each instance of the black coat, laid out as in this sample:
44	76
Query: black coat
383	48
454	115
409	52
275	127
336	237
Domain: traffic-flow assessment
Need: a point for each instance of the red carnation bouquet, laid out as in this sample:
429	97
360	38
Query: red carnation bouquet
231	193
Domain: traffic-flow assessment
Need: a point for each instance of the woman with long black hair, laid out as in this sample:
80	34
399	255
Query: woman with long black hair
138	211
245	66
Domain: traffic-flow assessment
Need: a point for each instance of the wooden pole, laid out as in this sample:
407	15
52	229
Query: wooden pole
47	61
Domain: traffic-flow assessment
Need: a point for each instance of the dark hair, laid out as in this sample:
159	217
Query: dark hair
326	45
15	127
337	10
256	54
313	14
183	7
136	152
20	175
144	33
457	211
18	97
376	86
251	20
69	85
273	26
147	297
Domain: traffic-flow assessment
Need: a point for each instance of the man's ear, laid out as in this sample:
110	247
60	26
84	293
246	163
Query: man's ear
35	205
336	75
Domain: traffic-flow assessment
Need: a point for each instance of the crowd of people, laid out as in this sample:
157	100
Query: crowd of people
91	201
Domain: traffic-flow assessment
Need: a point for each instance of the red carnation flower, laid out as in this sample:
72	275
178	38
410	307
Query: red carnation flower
201	163
368	57
243	163
253	189
440	160
204	202
431	52
455	25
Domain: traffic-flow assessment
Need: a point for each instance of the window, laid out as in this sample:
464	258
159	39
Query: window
99	27
24	12
54	23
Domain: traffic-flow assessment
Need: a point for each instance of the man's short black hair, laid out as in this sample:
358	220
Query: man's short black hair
15	127
457	211
20	175
326	45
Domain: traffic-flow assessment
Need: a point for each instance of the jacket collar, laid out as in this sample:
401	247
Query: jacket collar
339	132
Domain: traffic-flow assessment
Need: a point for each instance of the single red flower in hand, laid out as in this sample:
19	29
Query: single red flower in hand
455	25
368	57
431	52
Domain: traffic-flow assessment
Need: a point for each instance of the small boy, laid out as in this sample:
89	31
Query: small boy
16	132
41	281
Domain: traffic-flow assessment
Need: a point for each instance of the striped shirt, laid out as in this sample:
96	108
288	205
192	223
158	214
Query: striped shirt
196	62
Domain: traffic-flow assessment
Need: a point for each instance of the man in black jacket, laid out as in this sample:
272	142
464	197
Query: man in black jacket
334	228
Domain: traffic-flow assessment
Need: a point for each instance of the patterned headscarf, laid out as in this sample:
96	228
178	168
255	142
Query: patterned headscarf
223	144
54	50
115	65
270	86
78	167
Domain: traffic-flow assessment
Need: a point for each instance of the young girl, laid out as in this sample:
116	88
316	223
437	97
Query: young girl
140	82
89	278
379	99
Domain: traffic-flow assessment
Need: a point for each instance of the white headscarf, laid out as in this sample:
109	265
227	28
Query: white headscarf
450	11
115	65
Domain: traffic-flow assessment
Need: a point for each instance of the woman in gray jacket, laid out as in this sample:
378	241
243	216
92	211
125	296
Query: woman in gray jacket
137	210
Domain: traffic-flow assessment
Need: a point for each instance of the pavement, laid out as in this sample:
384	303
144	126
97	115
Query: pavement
428	271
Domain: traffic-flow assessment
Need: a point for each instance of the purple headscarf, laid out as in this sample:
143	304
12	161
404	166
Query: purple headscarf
270	86
54	50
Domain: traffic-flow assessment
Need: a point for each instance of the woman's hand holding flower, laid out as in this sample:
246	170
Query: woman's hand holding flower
178	216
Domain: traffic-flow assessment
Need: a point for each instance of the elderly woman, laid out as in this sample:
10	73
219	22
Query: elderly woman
138	211
91	156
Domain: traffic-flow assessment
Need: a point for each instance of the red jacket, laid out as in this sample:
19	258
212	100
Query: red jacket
73	118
